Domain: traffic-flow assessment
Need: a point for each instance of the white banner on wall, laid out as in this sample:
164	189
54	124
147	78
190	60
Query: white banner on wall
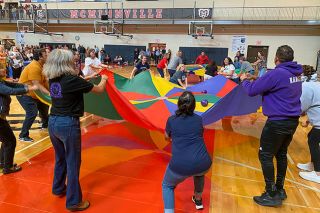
239	43
20	38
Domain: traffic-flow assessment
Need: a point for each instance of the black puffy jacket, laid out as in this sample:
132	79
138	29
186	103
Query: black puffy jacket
7	89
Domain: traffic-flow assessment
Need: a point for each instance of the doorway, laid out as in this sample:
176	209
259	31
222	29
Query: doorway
252	52
153	47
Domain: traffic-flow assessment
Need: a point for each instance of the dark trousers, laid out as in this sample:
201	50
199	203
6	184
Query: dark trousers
275	139
160	72
314	146
171	72
8	145
32	106
65	135
16	72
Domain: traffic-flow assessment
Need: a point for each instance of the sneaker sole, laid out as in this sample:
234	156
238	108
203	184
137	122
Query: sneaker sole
306	178
268	205
197	207
304	169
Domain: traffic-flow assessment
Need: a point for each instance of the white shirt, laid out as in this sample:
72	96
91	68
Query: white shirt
87	70
227	70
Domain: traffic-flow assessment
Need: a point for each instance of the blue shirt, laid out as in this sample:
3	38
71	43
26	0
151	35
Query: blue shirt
189	153
141	67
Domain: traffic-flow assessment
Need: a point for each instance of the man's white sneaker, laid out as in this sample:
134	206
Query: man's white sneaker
306	166
311	176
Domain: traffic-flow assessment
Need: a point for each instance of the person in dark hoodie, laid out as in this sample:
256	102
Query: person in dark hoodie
6	134
281	91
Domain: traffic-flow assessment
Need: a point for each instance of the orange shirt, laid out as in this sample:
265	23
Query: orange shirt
33	72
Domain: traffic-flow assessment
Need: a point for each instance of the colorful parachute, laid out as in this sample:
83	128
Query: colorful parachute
148	100
196	69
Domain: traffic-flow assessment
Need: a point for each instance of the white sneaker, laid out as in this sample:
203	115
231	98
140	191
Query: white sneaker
306	166
311	176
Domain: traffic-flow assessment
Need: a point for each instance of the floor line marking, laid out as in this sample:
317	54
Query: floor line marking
253	168
26	207
249	197
45	138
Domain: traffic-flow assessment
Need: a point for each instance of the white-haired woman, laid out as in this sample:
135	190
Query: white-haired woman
66	90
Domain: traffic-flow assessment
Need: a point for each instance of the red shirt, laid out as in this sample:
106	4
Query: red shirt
162	63
202	60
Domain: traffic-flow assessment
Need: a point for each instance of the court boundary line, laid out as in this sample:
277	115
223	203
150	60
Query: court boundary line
253	168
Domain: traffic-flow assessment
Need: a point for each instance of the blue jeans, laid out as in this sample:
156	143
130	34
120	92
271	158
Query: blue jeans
171	72
262	71
65	135
169	183
160	72
32	106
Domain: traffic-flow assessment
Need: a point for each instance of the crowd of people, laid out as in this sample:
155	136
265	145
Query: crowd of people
15	12
60	74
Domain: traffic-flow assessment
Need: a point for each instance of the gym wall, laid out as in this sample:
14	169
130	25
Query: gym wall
306	47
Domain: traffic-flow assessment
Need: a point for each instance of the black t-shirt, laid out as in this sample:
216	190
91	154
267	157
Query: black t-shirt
141	67
67	95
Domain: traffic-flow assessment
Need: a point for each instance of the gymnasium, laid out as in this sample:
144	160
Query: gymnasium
146	106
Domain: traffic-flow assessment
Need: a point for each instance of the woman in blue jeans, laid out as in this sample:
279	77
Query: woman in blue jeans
66	91
190	157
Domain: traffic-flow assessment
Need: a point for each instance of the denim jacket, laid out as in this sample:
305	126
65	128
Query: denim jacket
7	89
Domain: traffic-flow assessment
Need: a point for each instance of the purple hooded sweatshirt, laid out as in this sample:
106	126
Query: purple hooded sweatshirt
281	90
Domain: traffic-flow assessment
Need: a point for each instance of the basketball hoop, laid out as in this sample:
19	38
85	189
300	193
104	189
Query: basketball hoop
25	29
103	29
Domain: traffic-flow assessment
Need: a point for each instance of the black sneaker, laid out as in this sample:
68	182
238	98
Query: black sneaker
282	194
26	139
266	200
199	205
13	169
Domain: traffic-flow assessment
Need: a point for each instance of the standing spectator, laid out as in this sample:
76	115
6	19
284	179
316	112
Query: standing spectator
1	12
174	63
7	138
82	52
261	63
96	50
135	55
14	12
157	55
281	91
32	75
21	11
202	59
77	63
17	62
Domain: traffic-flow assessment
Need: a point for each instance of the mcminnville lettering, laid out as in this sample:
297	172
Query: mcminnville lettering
117	14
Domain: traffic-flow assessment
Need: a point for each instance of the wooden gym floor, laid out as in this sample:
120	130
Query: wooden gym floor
128	178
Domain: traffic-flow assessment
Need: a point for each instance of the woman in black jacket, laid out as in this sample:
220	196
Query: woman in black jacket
6	134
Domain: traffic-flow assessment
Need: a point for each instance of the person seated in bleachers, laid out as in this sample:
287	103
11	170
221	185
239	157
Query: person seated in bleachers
107	59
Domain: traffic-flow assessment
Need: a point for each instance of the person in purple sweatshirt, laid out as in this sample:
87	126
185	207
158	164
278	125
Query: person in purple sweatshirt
281	91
